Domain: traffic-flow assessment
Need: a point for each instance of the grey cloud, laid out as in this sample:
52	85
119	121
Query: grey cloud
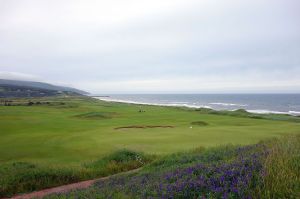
72	42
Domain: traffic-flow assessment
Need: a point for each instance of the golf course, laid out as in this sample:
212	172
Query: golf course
71	131
52	141
141	99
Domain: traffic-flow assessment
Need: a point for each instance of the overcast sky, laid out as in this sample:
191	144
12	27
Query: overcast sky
153	46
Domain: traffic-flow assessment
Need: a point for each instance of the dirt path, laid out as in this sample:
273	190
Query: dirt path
66	188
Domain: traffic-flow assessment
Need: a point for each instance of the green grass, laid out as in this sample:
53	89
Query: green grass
21	177
69	139
282	178
65	134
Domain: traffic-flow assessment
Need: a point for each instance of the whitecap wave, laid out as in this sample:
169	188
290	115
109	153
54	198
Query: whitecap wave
294	112
227	104
259	111
155	104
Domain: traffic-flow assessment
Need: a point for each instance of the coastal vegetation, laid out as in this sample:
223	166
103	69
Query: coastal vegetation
21	177
269	169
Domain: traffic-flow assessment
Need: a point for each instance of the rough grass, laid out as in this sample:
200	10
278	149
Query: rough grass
269	169
21	177
282	166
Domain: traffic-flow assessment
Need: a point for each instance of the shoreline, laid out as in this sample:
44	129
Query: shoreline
184	105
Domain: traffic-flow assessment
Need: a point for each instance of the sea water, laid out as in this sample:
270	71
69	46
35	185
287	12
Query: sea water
256	103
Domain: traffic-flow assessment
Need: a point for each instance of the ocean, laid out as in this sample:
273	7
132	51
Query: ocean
255	103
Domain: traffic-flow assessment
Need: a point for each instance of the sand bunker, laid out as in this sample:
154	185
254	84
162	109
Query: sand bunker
143	127
199	123
96	115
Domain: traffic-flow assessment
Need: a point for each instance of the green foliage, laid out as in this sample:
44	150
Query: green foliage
119	161
282	177
210	155
20	177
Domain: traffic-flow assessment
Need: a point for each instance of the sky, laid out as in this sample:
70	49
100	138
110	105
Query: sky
139	46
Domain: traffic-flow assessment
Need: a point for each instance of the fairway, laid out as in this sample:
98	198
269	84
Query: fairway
73	131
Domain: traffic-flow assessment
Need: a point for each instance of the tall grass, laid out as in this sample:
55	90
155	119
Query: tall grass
282	167
21	177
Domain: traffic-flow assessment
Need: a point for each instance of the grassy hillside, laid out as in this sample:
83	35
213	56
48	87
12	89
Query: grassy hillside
56	141
40	85
9	91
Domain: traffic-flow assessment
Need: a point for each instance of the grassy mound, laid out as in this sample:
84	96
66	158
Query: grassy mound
119	161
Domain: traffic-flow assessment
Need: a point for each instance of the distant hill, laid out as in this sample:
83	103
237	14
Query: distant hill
15	88
41	85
